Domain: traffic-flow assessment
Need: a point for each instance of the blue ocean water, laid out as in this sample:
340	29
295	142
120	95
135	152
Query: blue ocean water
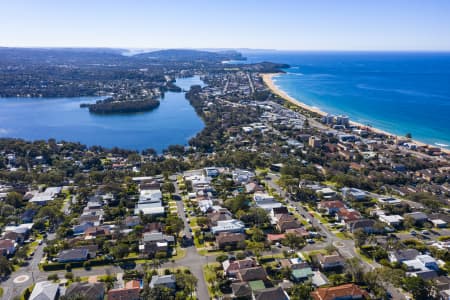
400	92
173	122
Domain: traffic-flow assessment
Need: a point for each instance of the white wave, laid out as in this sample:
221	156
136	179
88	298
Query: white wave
441	145
296	74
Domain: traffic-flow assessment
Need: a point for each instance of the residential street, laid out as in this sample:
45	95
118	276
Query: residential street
346	247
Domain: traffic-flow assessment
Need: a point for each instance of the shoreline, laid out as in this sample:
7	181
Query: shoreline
268	81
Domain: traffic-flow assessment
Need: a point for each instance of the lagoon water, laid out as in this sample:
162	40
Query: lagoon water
397	92
173	122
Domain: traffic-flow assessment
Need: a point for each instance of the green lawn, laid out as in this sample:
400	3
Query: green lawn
180	253
343	235
211	278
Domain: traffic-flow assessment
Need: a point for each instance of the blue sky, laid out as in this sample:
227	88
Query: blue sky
263	24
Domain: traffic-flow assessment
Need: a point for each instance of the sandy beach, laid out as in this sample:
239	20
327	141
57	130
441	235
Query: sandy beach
268	80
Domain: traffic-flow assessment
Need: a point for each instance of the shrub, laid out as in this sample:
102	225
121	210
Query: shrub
52	277
221	258
69	276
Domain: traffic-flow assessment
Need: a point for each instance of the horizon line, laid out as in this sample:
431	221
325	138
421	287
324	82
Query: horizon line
230	48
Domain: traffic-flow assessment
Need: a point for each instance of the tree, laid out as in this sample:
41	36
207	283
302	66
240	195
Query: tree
360	237
419	288
14	199
408	135
186	281
301	292
257	235
5	266
174	225
354	268
120	251
168	187
408	222
293	241
159	292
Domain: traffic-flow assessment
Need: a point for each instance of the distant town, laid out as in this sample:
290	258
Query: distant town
269	201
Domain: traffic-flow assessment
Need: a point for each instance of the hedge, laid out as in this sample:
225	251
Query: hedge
79	264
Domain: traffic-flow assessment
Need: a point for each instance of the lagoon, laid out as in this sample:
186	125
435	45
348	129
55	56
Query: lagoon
173	122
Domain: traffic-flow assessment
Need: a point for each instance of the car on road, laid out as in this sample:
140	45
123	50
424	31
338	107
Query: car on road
426	232
310	241
413	232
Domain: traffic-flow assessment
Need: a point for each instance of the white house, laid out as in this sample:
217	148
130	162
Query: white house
392	220
231	226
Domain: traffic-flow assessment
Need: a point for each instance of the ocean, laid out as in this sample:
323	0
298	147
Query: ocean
399	92
173	122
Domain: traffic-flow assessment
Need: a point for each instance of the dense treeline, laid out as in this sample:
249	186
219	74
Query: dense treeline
108	107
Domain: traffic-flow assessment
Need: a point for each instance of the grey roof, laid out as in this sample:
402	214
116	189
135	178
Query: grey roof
417	216
162	280
241	289
44	290
86	289
73	254
406	254
275	293
157	237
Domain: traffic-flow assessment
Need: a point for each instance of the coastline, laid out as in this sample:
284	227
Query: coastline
268	81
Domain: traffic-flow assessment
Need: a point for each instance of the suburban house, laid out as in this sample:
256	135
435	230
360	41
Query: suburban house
129	292
48	195
73	255
270	294
154	242
150	202
331	207
7	247
331	261
94	291
18	233
231	267
403	255
277	211
346	291
286	221
293	263
367	225
347	215
391	220
219	215
354	194
265	201
326	193
45	290
230	226
251	274
299	275
319	279
225	239
423	266
167	281
95	231
241	290
418	217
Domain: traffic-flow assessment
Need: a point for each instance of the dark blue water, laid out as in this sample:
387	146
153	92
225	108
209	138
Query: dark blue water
173	122
397	92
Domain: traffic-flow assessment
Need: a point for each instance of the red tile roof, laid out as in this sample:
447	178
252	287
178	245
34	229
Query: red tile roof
345	290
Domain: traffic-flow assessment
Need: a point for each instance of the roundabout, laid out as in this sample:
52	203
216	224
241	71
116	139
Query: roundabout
21	279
